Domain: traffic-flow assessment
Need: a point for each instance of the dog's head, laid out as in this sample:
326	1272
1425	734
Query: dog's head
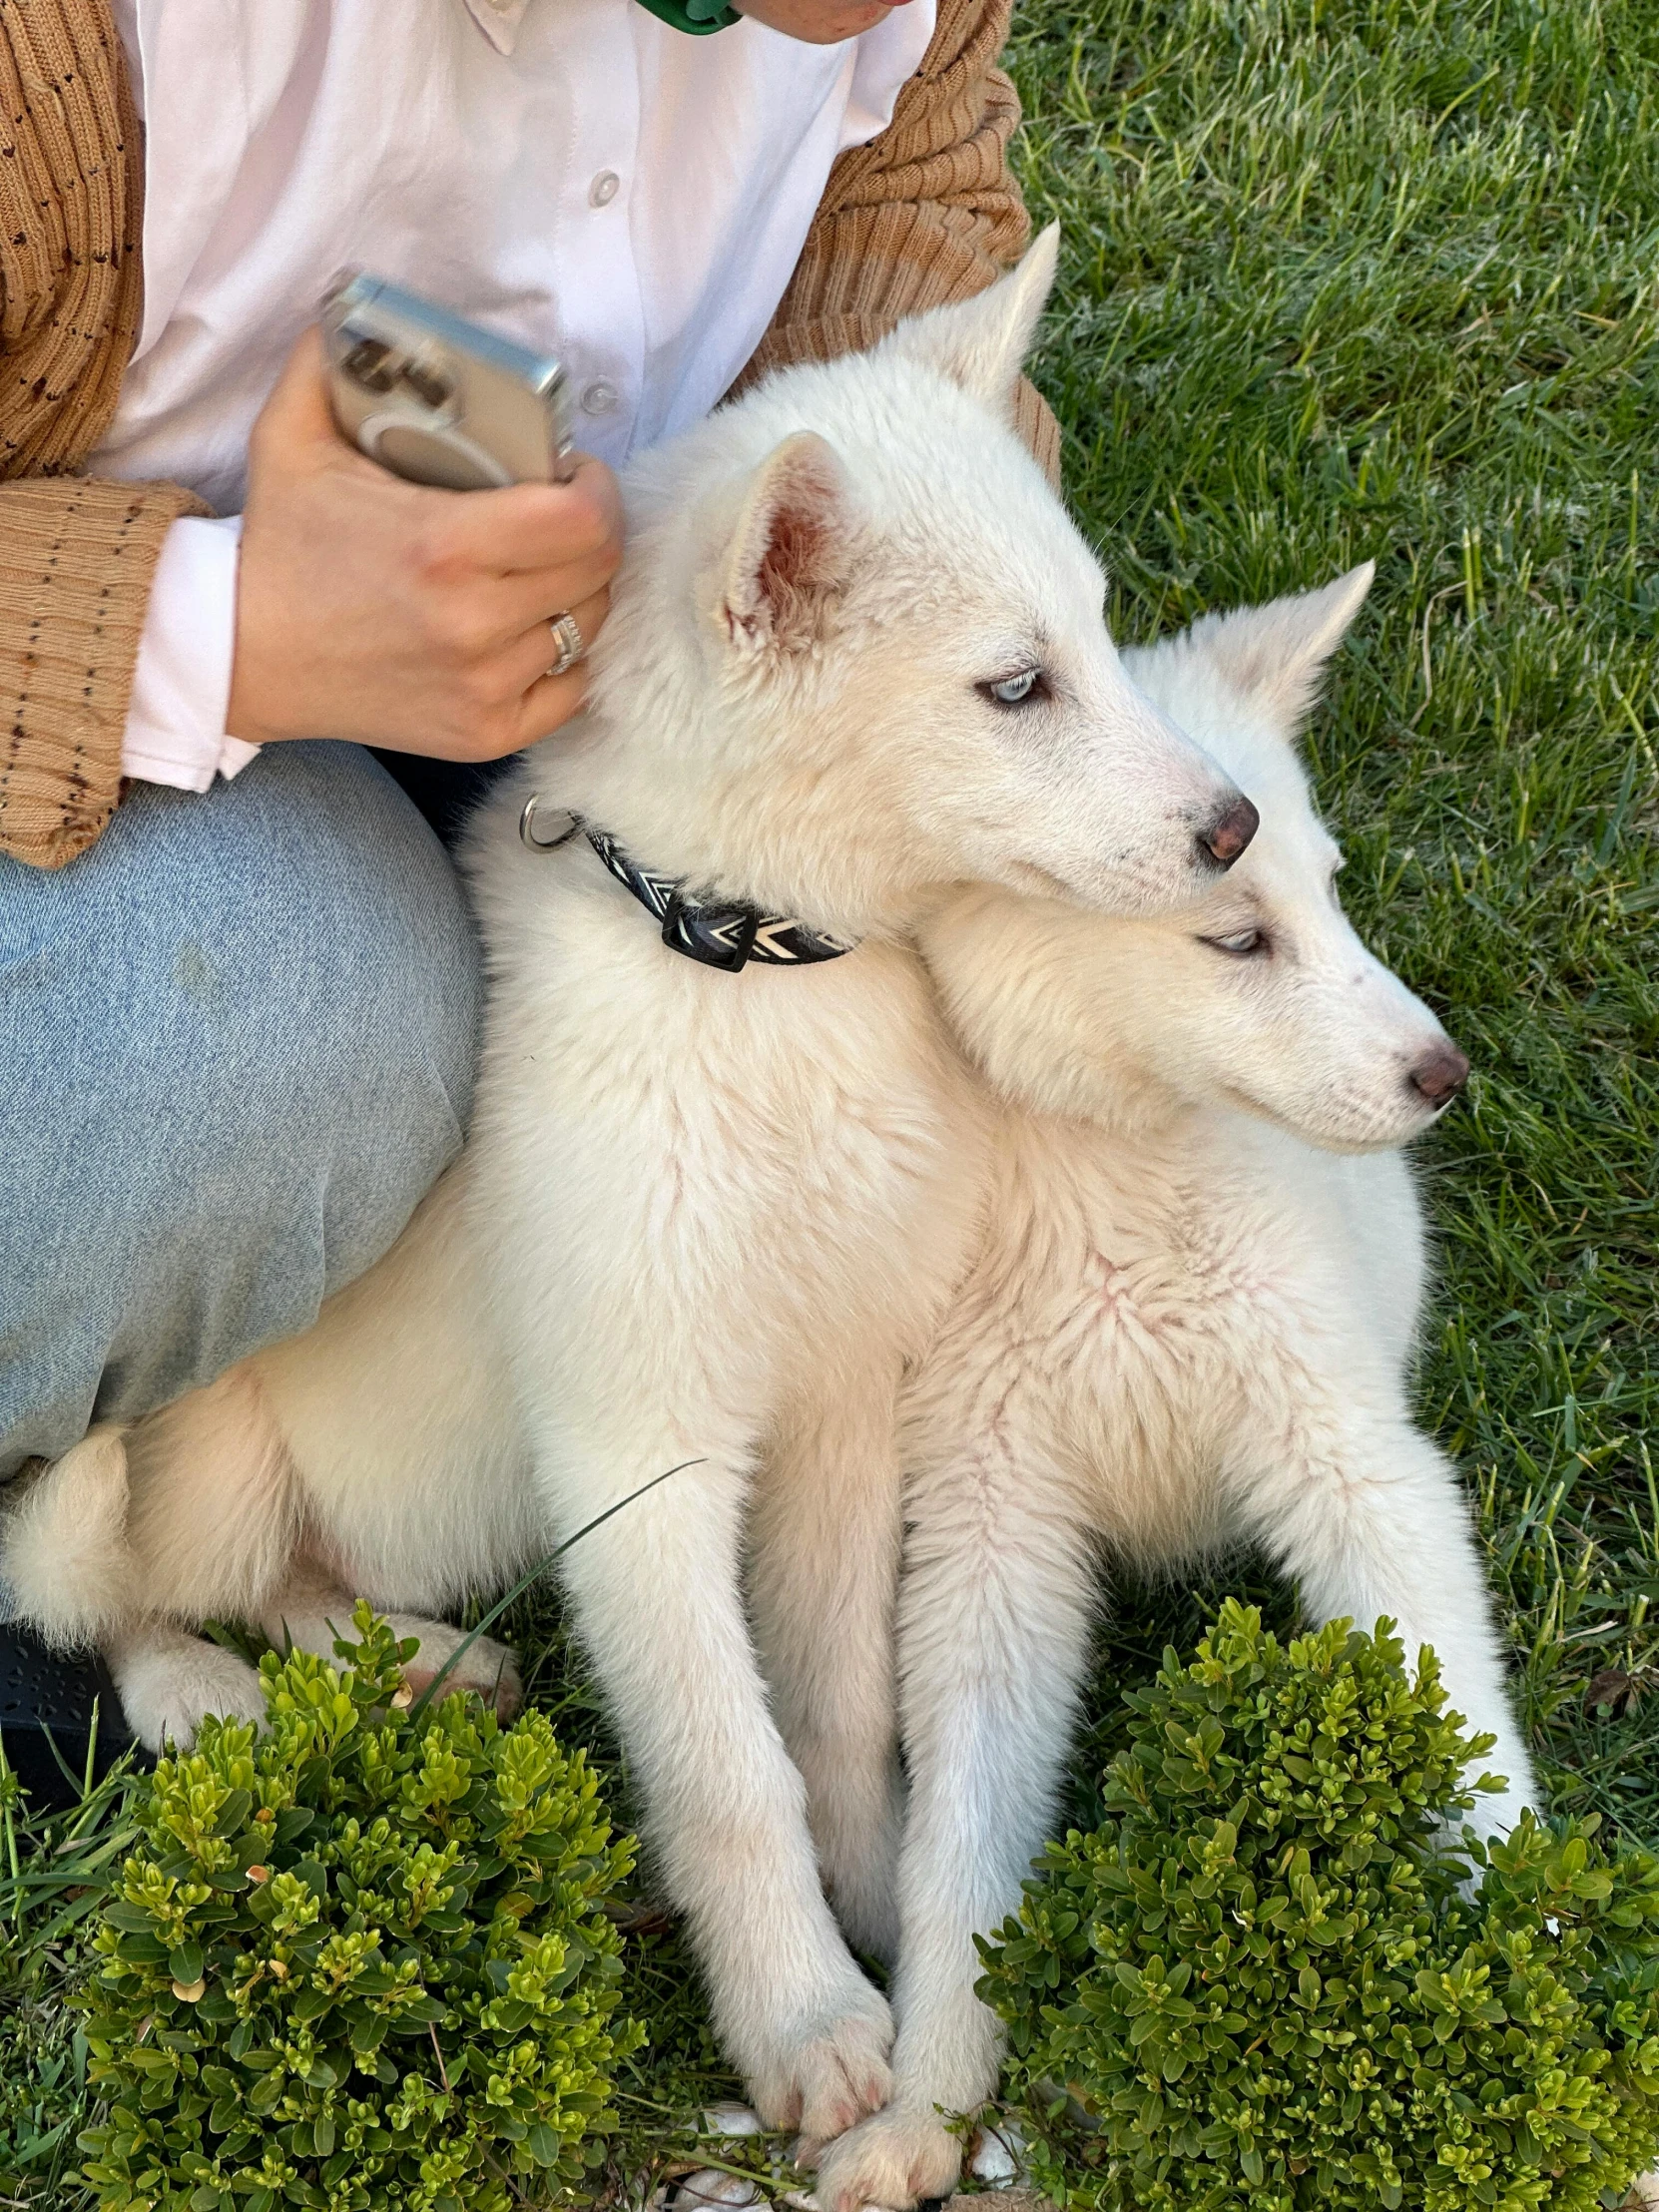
1260	995
859	655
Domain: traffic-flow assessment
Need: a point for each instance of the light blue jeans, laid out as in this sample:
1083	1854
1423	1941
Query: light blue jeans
237	1045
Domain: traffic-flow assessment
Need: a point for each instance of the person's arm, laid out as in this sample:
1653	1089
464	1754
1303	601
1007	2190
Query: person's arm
76	562
76	556
929	212
364	607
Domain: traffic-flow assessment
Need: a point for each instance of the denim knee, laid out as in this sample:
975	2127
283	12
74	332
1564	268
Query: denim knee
237	1044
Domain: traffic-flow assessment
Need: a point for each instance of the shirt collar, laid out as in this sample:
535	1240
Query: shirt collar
498	20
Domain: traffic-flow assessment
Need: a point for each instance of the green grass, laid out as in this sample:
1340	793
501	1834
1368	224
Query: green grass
1352	278
52	1870
1351	281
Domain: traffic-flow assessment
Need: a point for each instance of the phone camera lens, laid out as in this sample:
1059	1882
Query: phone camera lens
369	364
428	386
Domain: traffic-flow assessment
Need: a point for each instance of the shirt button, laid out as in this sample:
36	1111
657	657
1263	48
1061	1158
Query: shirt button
599	397
603	190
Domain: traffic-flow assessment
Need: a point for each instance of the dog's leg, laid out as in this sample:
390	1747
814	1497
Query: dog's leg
78	1581
658	1604
824	1541
314	1610
1369	1515
993	1629
168	1680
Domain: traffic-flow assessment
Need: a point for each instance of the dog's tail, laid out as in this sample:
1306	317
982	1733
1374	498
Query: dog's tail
63	1547
215	1516
185	1516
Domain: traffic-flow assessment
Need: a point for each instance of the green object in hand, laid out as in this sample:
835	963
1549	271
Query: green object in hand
695	16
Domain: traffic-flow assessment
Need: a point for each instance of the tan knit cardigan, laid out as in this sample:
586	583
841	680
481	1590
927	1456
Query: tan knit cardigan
926	213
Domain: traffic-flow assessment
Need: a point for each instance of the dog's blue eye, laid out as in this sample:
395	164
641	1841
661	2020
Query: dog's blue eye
1241	944
1013	690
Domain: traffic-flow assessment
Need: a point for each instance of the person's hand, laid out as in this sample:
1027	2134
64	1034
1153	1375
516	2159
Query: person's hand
401	615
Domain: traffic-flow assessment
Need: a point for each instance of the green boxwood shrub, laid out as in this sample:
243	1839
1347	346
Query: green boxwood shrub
1264	1985
359	1960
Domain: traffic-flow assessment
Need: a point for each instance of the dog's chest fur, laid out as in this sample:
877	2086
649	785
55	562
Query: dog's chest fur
1146	1315
802	1148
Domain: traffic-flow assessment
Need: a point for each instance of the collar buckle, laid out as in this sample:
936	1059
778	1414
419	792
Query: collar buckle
719	937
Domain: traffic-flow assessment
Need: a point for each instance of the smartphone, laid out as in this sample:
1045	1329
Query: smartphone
438	401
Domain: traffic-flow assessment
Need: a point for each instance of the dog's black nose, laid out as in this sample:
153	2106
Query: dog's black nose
1231	831
1439	1075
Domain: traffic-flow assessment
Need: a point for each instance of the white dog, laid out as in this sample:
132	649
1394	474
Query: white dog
857	659
1190	1326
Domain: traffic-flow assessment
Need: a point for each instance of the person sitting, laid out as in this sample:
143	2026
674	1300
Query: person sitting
245	672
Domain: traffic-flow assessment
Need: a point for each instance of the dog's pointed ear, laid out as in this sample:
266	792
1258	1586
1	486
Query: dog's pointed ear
980	343
1270	656
787	556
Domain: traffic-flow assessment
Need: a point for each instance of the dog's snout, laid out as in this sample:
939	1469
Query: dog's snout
1231	831
1439	1075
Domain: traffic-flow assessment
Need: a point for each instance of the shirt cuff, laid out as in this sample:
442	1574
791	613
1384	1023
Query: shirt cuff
182	681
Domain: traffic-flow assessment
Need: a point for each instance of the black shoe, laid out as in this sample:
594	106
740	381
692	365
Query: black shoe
46	1700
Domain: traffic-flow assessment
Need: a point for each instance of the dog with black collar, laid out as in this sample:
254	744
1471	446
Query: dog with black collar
723	1172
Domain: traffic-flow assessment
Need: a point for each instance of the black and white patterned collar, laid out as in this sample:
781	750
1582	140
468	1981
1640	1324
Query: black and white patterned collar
727	938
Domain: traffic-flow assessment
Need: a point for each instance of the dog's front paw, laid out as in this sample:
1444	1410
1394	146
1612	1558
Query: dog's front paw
829	2072
484	1666
894	2160
170	1684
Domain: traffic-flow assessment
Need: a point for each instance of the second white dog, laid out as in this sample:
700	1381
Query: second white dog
1190	1327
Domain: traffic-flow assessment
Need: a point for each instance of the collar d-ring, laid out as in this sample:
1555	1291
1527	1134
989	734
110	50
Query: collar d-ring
527	826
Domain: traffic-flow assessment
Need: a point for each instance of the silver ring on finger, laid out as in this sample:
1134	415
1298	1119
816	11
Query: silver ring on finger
569	640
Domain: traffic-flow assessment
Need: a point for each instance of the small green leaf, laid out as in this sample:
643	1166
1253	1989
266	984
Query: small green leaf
543	2144
185	1964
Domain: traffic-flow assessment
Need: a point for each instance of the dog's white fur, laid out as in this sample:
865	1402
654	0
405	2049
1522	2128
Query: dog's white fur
1188	1328
703	1217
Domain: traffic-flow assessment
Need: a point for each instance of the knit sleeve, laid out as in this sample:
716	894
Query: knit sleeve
929	212
76	559
76	556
